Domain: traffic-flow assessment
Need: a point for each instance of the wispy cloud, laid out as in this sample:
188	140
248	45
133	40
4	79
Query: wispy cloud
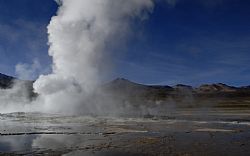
31	71
28	72
22	41
172	2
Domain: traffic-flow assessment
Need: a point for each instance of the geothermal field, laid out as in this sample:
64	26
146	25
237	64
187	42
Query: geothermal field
125	77
151	120
184	133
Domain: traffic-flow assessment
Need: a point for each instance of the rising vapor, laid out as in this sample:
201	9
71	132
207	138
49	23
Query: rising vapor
79	36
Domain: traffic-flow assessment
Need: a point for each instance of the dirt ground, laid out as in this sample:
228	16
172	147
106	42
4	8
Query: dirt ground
181	134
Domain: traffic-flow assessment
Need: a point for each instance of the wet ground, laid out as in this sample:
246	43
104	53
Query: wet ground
185	133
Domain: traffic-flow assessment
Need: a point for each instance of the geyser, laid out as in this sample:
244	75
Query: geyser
79	37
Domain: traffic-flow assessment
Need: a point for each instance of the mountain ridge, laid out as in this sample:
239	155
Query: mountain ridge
217	87
6	82
125	92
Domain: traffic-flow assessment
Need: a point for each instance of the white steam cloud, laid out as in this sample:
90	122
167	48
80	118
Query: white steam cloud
79	36
28	72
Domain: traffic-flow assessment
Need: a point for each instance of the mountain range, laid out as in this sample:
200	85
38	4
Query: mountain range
124	91
217	95
205	88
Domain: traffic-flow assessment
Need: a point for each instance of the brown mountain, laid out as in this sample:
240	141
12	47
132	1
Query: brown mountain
208	95
218	87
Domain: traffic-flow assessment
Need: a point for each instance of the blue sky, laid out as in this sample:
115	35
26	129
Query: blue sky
190	41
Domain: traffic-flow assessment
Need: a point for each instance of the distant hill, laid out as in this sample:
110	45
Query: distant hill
6	81
215	95
124	85
218	87
128	88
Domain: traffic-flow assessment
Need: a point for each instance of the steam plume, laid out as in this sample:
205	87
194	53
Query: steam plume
79	36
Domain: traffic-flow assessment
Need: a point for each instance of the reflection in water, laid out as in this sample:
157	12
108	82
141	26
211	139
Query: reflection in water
16	143
63	143
67	145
